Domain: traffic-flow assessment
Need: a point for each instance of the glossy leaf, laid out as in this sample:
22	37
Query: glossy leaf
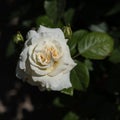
44	20
115	56
89	64
95	45
51	9
68	16
73	42
80	76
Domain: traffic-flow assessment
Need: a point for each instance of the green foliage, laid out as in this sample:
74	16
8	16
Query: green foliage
54	9
68	15
51	9
73	42
71	116
95	45
115	56
44	20
80	76
89	64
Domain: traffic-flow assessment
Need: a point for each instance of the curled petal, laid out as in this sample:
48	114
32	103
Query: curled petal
33	66
56	83
32	37
24	76
22	58
54	33
65	64
19	72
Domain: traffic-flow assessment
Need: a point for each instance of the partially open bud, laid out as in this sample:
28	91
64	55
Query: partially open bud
67	31
18	38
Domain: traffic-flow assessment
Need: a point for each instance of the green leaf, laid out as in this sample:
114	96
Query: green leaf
80	76
68	91
89	64
77	36
44	20
51	9
60	8
68	15
95	45
54	9
115	56
71	116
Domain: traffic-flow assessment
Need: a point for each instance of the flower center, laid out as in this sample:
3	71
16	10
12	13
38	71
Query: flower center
55	53
49	53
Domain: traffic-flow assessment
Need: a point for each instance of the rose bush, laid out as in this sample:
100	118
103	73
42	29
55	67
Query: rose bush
45	60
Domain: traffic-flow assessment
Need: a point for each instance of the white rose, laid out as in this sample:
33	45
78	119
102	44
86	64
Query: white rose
45	60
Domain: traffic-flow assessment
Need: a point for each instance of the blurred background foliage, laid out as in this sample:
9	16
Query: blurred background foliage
20	101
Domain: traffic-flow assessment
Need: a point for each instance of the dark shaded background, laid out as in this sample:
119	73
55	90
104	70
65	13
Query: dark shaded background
99	102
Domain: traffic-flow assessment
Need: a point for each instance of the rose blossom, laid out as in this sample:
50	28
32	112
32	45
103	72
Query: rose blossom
45	60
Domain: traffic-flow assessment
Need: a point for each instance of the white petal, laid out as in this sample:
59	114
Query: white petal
38	71
58	68
65	64
33	66
22	58
32	37
56	83
67	58
19	72
54	33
